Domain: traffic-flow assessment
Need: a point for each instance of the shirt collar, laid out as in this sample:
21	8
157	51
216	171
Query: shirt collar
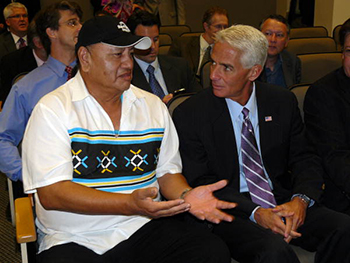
203	43
144	65
237	108
57	66
16	38
38	60
80	92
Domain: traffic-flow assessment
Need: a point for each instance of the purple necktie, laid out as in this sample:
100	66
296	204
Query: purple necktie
258	185
156	88
22	43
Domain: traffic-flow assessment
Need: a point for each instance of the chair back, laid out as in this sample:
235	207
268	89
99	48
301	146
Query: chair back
315	66
299	91
311	45
163	50
336	37
205	75
306	32
191	34
174	30
177	100
165	39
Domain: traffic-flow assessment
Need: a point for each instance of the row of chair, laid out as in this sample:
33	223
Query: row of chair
313	67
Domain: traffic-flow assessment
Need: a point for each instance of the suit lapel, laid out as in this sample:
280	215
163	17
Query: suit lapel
139	79
224	140
194	52
9	43
269	123
171	79
288	72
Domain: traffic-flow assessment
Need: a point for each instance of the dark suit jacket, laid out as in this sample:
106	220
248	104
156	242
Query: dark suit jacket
291	66
209	154
327	115
188	48
7	44
176	73
11	65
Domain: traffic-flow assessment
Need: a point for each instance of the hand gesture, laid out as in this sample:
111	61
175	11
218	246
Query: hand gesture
298	208
205	206
145	205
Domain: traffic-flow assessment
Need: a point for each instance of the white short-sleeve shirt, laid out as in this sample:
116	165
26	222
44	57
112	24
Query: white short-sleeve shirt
70	137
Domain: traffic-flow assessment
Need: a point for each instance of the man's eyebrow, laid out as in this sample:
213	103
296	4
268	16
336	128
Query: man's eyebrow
226	65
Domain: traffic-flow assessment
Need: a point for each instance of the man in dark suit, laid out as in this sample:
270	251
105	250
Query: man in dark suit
327	114
281	68
251	134
21	61
172	74
16	17
193	49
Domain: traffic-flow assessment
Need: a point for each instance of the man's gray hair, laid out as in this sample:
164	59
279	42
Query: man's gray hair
249	41
8	10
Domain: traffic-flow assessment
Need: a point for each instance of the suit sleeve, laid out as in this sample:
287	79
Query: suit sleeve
326	128
192	83
304	164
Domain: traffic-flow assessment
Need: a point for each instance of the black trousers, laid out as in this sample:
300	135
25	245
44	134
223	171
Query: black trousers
164	240
325	231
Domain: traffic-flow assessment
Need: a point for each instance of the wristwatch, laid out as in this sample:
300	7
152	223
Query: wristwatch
304	198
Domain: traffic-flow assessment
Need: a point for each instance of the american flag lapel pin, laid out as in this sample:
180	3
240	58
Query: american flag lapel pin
268	118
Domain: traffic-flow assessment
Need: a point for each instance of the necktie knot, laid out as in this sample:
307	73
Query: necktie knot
22	42
154	84
69	70
245	112
150	69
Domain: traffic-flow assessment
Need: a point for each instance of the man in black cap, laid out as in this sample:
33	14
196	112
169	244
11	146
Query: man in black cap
98	153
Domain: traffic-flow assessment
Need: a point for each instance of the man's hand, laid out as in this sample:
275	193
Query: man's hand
144	204
274	219
298	207
205	206
168	97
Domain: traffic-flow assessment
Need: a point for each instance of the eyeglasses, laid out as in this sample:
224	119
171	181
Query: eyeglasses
72	23
219	26
18	16
346	52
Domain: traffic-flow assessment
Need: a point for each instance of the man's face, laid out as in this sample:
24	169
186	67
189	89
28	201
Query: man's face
68	29
346	56
277	34
229	78
18	22
109	67
218	22
152	32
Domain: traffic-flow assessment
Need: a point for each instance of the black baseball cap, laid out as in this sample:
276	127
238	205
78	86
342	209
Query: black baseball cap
112	31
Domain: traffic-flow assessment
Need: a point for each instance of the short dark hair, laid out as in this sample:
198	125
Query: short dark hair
279	18
208	15
141	17
343	32
49	17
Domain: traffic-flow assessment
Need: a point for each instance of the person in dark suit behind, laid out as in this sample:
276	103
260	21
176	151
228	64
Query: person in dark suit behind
172	74
251	134
281	68
21	61
16	17
194	49
327	111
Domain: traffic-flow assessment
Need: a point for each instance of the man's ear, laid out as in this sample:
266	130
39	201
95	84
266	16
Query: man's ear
206	26
7	22
51	33
286	44
255	72
84	57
